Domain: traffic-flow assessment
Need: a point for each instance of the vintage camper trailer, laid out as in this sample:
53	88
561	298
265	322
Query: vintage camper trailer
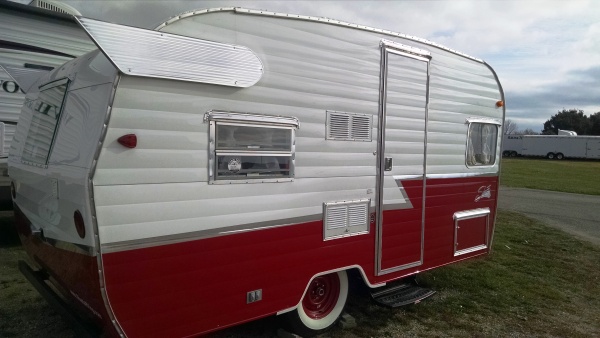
235	164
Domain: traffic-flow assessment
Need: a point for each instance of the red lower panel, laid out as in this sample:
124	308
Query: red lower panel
199	286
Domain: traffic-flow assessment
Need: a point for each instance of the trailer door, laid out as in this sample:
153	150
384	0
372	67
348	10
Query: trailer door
401	157
593	149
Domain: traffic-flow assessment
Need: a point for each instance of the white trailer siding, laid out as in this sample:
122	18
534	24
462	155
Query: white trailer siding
593	148
308	69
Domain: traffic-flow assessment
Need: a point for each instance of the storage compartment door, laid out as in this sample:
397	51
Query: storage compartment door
470	230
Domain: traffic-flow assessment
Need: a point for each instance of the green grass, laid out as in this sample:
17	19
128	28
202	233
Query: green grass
581	177
537	282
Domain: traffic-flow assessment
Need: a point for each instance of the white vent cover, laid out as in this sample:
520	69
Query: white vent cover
345	218
349	126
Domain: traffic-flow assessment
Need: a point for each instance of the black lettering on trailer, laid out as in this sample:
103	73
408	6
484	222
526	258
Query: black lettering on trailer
10	86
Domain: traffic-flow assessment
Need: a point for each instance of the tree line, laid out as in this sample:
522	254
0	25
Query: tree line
566	119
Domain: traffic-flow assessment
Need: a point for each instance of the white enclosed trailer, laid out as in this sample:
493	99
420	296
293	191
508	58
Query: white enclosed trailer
235	164
32	39
552	146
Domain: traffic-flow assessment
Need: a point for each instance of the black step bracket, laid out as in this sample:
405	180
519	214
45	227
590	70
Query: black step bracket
400	294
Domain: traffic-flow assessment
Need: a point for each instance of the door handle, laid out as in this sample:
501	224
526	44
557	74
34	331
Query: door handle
388	164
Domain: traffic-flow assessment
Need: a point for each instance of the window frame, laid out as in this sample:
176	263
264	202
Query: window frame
47	86
214	117
483	121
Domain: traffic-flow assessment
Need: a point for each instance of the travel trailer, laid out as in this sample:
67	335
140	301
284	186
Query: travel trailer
561	146
235	164
35	37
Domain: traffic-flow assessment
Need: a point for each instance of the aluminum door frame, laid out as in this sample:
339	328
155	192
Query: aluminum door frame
392	47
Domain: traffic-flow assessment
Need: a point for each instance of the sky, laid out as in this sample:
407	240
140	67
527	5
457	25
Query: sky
546	53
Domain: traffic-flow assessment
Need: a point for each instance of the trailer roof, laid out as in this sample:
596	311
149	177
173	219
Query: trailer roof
310	18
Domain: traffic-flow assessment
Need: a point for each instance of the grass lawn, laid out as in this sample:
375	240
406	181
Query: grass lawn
581	177
537	282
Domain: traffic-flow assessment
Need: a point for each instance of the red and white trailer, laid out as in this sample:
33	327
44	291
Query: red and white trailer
235	164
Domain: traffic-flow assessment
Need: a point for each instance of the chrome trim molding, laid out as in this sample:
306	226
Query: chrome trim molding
406	48
463	175
402	267
470	214
204	234
487	120
221	115
387	47
499	162
72	247
92	202
316	19
170	56
467	214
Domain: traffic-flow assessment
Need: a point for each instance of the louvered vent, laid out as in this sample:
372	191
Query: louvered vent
349	127
346	218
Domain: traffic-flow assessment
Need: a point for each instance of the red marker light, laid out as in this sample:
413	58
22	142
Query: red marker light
129	140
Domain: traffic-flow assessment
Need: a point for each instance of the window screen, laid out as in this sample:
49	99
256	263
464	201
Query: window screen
246	151
481	145
46	114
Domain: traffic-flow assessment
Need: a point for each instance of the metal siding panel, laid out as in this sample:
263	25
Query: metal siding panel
43	32
130	212
308	70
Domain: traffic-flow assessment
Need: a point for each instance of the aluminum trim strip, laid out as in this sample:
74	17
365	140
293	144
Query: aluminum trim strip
469	250
93	212
69	246
463	175
487	120
400	267
467	214
412	50
316	19
170	56
205	234
221	115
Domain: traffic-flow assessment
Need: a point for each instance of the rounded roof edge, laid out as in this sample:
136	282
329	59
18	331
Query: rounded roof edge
310	18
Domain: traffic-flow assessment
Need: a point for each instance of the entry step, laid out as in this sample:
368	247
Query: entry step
400	294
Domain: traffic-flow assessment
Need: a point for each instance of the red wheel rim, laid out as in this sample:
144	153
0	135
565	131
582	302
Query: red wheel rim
322	296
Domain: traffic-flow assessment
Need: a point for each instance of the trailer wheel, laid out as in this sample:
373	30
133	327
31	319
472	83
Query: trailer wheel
321	305
550	156
560	156
506	153
513	154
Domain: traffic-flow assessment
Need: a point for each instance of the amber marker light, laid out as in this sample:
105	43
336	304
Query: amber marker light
499	104
129	140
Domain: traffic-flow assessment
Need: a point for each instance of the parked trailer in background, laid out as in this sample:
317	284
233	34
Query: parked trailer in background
236	164
552	146
33	39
